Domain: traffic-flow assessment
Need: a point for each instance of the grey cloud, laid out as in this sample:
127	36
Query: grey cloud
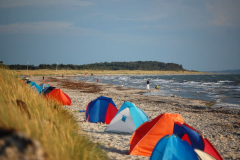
225	13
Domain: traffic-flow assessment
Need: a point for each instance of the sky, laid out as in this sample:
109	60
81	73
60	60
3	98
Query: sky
198	34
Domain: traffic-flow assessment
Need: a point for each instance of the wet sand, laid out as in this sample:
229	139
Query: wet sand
221	126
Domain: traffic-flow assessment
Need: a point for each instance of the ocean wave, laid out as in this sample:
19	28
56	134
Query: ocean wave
204	87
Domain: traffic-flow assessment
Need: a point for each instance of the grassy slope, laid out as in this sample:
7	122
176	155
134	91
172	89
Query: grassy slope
53	126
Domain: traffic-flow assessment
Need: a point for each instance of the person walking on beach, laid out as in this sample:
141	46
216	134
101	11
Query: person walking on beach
148	83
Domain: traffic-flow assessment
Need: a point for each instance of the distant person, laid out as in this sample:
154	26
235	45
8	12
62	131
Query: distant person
62	76
97	80
43	78
148	83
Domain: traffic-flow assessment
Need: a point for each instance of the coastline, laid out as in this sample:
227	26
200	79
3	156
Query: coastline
220	126
69	73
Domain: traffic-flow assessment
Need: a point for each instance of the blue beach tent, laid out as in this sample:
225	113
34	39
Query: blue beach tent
128	119
102	109
35	86
173	148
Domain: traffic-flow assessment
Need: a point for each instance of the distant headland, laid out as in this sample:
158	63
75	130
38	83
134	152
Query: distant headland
138	65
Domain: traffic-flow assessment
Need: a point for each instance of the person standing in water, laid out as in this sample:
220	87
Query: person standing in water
148	83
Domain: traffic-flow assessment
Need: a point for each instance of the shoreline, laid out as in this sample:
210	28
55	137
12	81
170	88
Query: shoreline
46	72
220	126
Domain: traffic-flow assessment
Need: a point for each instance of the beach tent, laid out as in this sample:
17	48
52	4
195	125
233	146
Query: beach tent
35	86
102	109
44	85
173	148
58	95
128	119
195	139
149	133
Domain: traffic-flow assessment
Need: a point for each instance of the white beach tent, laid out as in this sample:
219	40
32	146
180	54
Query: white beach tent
128	119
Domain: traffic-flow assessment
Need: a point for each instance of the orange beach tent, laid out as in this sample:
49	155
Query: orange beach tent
58	95
149	133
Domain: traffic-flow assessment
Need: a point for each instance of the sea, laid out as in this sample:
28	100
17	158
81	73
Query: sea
223	89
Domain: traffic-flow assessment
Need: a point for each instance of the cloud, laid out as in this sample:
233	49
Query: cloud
47	28
225	13
21	3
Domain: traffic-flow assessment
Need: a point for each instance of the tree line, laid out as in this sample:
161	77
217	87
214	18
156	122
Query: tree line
138	65
3	65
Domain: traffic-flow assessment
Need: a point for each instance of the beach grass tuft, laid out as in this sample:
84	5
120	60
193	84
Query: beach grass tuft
24	110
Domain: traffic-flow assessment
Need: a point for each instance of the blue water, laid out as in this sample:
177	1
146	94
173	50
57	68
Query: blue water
223	89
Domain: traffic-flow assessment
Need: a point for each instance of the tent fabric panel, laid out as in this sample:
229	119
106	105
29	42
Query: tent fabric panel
186	138
159	149
148	134
62	97
47	90
137	136
138	115
154	135
118	125
178	129
144	139
107	99
89	107
98	111
142	130
209	148
93	112
111	112
68	100
44	85
189	134
58	94
124	106
35	86
87	110
173	148
179	150
195	138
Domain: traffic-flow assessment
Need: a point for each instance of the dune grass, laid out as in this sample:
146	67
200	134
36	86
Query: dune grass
54	127
43	72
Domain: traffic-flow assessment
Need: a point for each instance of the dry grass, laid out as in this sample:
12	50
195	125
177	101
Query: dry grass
101	72
49	123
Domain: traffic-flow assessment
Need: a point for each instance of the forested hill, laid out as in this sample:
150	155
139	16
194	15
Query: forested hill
139	65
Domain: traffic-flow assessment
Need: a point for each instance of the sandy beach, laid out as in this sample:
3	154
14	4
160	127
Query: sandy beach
221	126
